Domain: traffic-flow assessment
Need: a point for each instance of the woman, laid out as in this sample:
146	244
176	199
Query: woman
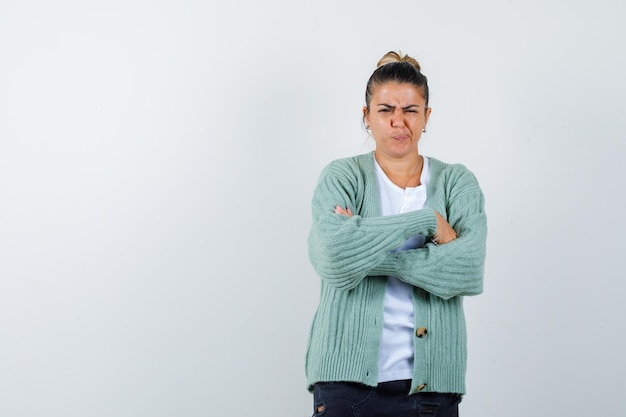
398	239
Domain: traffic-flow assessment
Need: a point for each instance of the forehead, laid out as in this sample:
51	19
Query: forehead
397	92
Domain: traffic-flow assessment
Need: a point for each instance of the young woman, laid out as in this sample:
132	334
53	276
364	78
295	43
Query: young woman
397	239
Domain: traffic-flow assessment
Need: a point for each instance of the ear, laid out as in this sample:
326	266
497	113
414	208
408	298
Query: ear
366	115
427	114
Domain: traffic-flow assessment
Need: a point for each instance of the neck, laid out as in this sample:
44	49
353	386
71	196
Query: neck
403	172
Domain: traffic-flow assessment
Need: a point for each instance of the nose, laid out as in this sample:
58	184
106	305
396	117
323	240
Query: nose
397	119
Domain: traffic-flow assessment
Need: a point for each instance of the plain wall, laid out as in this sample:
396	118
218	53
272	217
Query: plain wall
157	162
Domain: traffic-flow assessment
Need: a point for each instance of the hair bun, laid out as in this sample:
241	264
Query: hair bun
393	56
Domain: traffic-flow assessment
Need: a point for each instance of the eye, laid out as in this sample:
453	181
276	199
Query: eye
383	110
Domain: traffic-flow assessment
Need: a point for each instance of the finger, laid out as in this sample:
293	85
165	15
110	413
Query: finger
344	211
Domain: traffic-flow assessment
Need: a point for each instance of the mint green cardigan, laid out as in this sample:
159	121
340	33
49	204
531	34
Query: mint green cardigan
352	255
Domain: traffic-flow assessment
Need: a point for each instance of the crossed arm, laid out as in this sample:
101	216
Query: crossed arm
345	247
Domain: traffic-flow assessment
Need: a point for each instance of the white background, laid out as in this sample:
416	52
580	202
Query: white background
157	161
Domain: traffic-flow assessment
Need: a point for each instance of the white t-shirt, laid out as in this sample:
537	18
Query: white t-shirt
395	358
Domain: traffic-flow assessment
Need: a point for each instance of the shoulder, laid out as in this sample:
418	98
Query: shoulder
438	165
346	181
350	167
454	180
451	172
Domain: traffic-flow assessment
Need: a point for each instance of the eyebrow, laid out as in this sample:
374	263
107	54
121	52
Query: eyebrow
389	106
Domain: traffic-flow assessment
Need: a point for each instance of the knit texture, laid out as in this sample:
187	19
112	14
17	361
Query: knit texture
352	255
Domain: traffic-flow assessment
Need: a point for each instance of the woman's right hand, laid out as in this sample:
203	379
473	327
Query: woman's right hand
444	233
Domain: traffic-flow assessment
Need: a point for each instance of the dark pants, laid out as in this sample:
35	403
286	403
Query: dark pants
346	399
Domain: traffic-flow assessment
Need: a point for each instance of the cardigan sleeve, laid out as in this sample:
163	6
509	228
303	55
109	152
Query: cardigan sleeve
457	267
343	250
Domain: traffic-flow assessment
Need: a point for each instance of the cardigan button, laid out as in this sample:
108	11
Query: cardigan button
420	387
421	332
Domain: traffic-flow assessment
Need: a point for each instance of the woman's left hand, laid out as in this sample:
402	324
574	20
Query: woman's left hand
345	211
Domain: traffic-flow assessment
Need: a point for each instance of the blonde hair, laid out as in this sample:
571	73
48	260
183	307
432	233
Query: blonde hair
396	67
393	56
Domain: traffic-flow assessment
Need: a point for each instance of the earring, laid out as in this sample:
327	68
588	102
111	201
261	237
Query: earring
424	130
